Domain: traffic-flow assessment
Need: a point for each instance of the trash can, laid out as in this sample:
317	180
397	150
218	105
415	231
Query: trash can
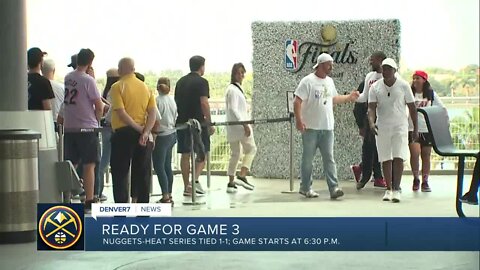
18	185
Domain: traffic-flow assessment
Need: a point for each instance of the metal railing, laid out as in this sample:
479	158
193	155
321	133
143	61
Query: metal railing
465	135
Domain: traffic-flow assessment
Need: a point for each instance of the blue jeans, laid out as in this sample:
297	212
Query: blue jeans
322	139
104	161
162	161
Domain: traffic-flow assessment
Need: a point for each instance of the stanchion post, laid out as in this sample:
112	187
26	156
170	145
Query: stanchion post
60	142
291	156
291	152
192	160
66	195
208	170
209	173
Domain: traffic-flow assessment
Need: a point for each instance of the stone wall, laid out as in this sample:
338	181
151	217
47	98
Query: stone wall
351	44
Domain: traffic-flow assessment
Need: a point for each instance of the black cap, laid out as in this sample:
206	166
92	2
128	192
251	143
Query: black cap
73	62
140	76
34	56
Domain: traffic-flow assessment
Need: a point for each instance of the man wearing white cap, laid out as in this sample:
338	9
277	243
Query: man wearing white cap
387	103
313	107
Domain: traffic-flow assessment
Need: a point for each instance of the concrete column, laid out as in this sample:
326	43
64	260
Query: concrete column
13	55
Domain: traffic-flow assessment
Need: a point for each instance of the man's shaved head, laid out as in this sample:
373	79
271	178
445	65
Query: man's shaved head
126	66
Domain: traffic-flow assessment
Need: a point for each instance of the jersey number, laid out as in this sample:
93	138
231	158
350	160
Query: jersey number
70	96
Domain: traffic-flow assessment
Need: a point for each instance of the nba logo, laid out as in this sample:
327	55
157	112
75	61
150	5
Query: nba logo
291	49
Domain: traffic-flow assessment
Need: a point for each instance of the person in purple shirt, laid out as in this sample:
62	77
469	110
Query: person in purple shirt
83	108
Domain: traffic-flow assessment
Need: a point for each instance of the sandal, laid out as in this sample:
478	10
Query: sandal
162	200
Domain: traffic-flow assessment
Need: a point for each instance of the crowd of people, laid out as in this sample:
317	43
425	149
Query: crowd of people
139	127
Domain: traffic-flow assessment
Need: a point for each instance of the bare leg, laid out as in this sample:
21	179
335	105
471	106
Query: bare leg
243	171
426	152
387	173
185	168
199	168
414	159
397	173
88	180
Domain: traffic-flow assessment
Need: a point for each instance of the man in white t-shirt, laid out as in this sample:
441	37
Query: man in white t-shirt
313	107
387	103
48	71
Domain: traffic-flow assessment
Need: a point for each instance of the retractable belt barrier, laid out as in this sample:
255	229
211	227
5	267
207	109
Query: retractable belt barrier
82	130
67	194
193	124
236	123
252	122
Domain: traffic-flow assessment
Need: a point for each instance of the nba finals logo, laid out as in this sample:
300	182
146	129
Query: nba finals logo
60	227
298	55
291	59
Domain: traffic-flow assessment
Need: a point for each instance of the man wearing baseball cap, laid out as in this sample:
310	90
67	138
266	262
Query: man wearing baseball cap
73	62
313	107
387	102
40	91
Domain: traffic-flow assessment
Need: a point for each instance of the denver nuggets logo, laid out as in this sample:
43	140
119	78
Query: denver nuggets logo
60	227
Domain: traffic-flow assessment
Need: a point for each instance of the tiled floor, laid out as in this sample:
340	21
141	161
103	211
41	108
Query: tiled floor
268	200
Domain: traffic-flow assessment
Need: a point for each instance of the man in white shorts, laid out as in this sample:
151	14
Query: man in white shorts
387	102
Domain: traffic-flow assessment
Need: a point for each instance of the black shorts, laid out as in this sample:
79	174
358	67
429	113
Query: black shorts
184	145
81	147
424	139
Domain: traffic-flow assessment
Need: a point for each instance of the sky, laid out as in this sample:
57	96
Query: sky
161	35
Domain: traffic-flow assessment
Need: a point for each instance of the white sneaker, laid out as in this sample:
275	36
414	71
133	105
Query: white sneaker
199	188
231	188
188	191
242	181
396	196
388	195
309	194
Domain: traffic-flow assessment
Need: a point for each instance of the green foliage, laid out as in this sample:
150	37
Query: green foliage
465	130
101	84
464	82
218	82
219	150
151	78
445	82
441	89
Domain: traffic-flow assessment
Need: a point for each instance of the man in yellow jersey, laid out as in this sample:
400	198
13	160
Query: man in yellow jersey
133	118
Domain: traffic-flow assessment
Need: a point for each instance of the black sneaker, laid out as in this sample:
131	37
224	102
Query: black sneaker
469	198
101	198
242	181
232	188
80	196
416	184
361	184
